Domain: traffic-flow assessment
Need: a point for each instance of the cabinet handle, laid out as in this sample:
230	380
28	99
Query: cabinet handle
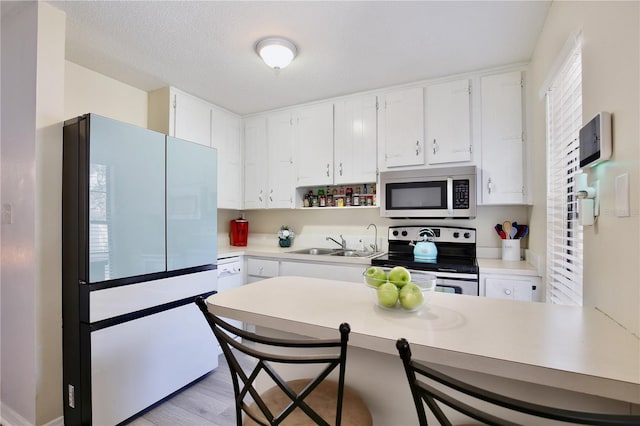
489	186
327	169
260	196
260	270
417	148
270	196
507	291
436	148
340	169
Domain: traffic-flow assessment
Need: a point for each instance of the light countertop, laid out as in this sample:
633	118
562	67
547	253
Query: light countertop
568	348
490	266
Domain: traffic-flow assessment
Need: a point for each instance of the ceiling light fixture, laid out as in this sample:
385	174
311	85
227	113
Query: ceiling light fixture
276	52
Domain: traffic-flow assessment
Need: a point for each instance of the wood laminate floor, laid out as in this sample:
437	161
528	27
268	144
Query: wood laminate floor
208	402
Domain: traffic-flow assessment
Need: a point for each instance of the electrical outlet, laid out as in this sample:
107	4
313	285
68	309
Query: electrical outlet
72	396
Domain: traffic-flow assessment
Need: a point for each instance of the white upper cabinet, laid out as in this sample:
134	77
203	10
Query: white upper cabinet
355	143
269	174
280	164
313	129
255	163
187	117
402	128
503	168
226	137
448	122
191	118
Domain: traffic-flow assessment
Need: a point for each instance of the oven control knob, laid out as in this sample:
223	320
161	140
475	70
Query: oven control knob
404	233
395	233
467	235
456	234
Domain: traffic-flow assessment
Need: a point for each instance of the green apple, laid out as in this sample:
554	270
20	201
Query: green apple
375	276
400	276
388	295
411	296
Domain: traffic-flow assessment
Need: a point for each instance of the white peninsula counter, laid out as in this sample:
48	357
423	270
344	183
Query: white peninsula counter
531	350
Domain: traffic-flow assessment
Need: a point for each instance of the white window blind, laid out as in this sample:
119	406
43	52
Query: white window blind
564	234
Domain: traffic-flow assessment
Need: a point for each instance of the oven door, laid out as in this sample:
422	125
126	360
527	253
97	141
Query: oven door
457	286
456	282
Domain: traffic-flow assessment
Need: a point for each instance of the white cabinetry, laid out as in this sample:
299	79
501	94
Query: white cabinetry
255	163
355	143
268	165
333	271
180	115
314	144
227	139
448	122
184	116
516	287
503	168
402	128
259	269
280	164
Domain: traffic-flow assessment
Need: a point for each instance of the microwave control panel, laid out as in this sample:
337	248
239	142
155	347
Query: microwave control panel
461	194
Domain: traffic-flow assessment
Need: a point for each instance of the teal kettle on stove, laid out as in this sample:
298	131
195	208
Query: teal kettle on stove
425	250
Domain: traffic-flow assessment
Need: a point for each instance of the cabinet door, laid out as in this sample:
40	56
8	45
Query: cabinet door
403	133
314	145
355	144
509	288
191	118
448	122
255	163
126	200
280	164
502	139
192	236
227	140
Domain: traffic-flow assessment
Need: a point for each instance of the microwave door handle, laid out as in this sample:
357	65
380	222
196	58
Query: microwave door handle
450	196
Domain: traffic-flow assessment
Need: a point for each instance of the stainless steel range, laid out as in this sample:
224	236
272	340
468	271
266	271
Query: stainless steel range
456	266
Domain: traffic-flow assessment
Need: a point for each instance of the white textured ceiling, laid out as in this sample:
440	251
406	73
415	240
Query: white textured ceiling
207	48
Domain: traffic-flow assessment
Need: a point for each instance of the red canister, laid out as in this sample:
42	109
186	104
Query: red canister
239	232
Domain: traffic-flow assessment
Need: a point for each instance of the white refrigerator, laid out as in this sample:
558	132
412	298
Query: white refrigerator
139	244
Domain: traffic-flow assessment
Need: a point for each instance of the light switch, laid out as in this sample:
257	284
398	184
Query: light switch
6	214
622	195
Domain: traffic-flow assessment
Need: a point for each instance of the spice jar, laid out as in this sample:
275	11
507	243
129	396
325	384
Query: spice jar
348	198
322	199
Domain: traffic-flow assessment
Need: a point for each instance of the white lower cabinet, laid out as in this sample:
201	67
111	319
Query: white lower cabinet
515	287
330	271
260	269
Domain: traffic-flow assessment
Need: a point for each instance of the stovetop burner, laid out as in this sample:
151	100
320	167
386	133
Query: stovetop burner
456	249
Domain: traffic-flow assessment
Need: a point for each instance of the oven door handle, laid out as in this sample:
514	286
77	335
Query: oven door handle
447	270
450	195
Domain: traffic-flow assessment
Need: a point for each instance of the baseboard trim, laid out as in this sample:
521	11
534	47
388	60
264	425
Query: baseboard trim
9	417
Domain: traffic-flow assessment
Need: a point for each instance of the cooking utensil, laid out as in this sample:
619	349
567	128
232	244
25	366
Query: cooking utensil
513	233
506	227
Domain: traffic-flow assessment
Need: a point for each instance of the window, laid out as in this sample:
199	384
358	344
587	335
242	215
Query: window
564	234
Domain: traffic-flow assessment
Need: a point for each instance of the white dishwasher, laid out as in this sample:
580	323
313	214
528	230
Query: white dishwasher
229	277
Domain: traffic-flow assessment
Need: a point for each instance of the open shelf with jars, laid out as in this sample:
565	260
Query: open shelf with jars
337	196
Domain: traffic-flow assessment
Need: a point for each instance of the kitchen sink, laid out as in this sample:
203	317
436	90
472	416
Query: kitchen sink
316	251
352	253
335	252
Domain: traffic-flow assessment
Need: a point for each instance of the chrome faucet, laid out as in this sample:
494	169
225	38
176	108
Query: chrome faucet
374	246
342	244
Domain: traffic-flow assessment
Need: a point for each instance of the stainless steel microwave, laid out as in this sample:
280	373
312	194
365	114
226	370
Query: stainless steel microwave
448	192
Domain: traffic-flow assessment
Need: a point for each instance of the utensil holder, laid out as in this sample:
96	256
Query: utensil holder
510	249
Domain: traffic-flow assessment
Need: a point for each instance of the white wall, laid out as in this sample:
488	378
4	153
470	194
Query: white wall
611	52
32	105
19	29
88	91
